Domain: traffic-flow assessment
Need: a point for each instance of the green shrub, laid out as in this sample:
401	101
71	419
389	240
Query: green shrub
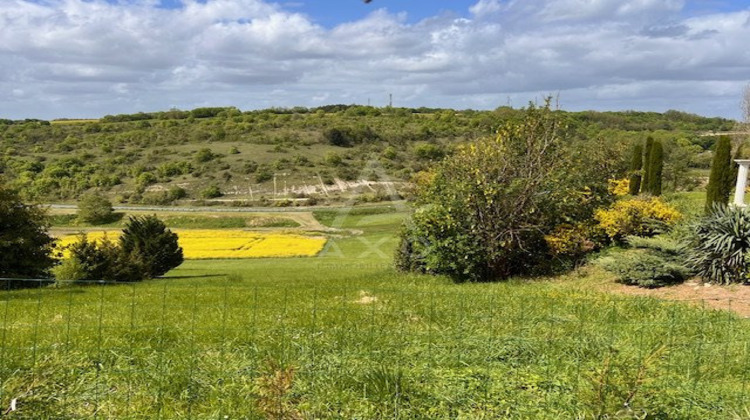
176	193
338	137
390	153
147	240
211	191
96	209
429	152
719	244
333	159
204	155
163	198
263	174
25	246
146	249
486	210
70	269
170	169
661	243
406	257
145	179
102	260
645	269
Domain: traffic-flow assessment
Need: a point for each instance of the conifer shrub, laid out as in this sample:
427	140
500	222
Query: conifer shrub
651	262
720	179
655	169
646	269
636	164
646	164
148	240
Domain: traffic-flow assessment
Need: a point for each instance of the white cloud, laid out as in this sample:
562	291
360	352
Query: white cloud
604	10
86	58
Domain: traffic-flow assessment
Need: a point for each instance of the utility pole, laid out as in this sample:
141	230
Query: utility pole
390	100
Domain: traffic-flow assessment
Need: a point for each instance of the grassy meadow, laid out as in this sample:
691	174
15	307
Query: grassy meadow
342	335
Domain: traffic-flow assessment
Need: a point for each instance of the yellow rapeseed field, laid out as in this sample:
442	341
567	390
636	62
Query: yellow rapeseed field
214	243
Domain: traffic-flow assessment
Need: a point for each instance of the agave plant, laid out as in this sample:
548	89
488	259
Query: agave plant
718	249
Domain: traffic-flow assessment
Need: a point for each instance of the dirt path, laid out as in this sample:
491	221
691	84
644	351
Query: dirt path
735	298
306	219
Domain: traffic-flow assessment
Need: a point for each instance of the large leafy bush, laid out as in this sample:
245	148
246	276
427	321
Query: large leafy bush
485	211
719	245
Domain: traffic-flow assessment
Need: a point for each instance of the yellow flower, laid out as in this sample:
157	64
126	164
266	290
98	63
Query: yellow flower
619	187
636	216
214	243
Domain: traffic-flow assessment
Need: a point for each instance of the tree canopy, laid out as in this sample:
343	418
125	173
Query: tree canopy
25	246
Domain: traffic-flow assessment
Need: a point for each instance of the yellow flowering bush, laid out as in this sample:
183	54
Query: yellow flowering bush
214	243
640	216
569	241
619	187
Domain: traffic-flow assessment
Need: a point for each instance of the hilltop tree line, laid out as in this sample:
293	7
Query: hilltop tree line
159	157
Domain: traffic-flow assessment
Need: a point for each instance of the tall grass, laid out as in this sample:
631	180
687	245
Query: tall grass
344	336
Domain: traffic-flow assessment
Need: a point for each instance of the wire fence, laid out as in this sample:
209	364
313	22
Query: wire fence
222	347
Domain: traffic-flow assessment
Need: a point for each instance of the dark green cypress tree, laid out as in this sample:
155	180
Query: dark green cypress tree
655	168
719	187
635	170
646	163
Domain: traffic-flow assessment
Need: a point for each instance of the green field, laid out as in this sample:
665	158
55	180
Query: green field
343	335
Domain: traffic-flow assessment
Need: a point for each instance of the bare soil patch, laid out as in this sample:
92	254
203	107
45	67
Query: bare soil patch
365	298
734	298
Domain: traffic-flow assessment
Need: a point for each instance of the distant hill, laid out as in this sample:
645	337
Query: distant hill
300	154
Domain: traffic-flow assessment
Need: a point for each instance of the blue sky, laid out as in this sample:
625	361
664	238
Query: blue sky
88	58
329	13
332	12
